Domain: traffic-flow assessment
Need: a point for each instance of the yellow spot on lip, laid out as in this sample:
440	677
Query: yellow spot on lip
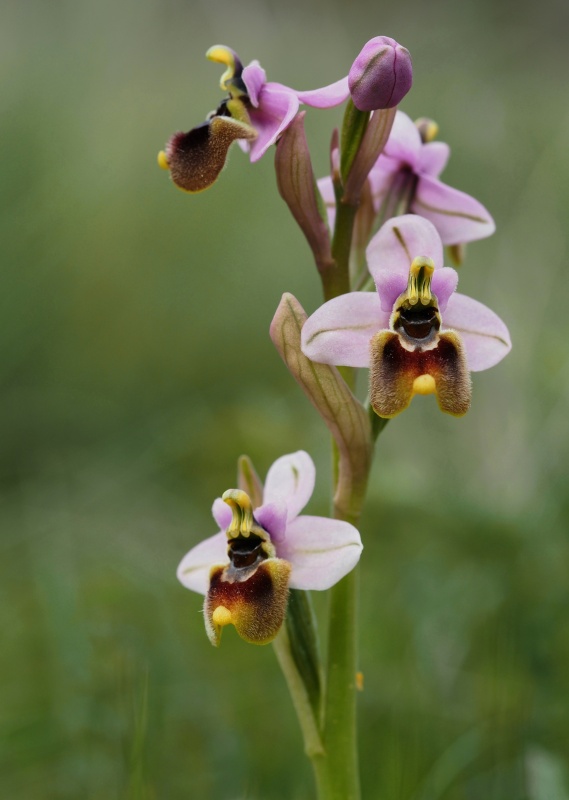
162	160
222	616
424	384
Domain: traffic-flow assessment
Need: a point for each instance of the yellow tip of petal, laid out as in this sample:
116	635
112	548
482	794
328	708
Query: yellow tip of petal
424	384
163	160
222	616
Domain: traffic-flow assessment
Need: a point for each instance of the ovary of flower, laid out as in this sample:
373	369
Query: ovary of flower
245	571
415	333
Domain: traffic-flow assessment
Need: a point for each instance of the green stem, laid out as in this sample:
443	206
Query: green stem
309	725
340	735
341	247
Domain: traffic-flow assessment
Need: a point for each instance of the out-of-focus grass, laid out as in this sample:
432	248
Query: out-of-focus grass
136	366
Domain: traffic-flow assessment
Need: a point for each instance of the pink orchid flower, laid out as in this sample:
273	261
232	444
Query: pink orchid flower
416	334
411	167
246	569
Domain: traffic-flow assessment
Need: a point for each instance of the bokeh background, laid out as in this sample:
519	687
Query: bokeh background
135	367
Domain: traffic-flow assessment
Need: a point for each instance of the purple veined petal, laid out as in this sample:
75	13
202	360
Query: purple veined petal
457	216
321	551
273	518
486	338
433	158
254	77
221	513
399	241
404	143
193	570
326	189
381	178
326	97
276	111
339	332
290	482
443	285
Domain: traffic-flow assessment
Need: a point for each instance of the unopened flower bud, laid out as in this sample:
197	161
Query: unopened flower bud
381	75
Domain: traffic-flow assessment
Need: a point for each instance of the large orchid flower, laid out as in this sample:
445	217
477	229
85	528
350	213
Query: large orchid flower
255	112
416	334
409	169
246	569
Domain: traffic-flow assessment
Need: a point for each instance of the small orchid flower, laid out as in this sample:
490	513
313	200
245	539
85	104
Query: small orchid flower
246	570
409	168
256	112
416	334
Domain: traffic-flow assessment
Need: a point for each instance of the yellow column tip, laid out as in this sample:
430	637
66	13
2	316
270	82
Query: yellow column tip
162	160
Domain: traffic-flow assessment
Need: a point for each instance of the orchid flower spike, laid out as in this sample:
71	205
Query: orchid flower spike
246	570
408	170
255	112
415	334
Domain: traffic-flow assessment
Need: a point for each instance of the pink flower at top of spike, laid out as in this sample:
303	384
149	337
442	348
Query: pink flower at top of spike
255	112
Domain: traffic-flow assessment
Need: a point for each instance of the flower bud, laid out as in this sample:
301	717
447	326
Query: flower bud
381	75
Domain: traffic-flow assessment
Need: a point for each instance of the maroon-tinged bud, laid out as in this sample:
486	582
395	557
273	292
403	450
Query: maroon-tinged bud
381	75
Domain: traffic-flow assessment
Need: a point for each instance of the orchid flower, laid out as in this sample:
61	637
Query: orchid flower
246	569
409	167
416	334
256	112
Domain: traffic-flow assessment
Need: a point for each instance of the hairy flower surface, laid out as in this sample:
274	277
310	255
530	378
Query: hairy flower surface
255	112
247	568
408	170
416	334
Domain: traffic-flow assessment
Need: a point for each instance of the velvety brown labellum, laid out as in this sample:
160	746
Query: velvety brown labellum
196	158
257	605
394	369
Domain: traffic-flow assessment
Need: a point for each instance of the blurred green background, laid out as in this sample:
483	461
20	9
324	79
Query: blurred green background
136	366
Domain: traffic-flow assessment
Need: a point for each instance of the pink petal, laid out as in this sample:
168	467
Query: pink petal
273	518
389	286
221	513
193	571
444	284
339	332
276	111
401	240
404	143
320	550
326	97
290	482
485	336
457	216
254	77
433	158
381	178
